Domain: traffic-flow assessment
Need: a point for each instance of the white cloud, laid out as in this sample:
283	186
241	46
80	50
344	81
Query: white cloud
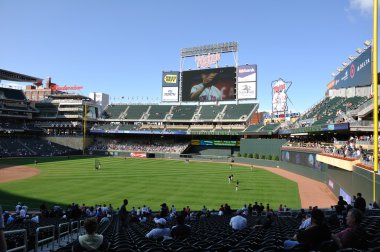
364	6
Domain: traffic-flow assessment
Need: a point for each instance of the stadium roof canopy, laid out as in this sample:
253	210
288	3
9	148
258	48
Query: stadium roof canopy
12	76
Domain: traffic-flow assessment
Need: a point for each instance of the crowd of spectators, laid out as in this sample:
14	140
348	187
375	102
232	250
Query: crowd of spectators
314	229
140	146
25	147
351	149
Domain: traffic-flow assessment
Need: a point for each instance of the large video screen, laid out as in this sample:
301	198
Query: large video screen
217	84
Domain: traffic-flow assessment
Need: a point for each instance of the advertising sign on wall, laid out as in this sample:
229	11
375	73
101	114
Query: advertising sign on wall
169	93
170	79
247	82
357	73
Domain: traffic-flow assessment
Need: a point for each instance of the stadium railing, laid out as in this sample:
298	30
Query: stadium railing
24	247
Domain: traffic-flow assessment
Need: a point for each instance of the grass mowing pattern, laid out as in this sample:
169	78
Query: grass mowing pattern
146	181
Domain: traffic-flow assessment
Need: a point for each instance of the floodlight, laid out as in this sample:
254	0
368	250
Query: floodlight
359	50
344	64
367	43
333	74
352	57
339	69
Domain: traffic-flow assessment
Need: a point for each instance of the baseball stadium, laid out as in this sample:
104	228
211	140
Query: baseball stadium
203	169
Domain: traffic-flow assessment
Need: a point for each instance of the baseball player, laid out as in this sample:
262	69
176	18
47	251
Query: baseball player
206	91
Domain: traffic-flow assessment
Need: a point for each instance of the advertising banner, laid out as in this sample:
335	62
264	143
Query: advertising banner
170	94
170	79
138	154
246	90
215	142
247	73
358	73
279	96
247	82
217	84
301	158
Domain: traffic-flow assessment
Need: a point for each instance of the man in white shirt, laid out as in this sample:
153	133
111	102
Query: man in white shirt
23	212
238	222
206	91
160	231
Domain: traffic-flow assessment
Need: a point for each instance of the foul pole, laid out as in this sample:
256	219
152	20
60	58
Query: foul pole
375	97
84	126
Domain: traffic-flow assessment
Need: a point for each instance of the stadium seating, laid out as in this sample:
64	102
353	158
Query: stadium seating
254	128
183	112
104	127
47	109
11	94
23	147
135	112
127	127
158	112
213	233
238	112
114	111
270	127
209	112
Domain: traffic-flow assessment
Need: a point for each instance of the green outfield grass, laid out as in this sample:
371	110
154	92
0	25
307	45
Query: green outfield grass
145	181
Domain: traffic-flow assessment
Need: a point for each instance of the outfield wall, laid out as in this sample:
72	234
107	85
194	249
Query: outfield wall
339	181
261	146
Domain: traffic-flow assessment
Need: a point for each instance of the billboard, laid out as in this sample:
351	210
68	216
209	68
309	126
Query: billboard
279	96
217	84
215	142
301	158
170	79
247	80
169	93
357	73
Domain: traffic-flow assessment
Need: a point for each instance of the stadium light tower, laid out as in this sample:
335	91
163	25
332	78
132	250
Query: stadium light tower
352	58
367	43
359	50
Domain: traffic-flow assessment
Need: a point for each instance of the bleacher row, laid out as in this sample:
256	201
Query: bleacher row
234	129
208	233
329	108
26	147
227	112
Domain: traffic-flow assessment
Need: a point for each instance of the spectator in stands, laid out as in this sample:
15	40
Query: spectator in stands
160	231
18	208
360	202
313	236
3	244
238	222
164	212
353	235
123	214
180	231
35	218
375	205
23	212
10	219
341	205
91	241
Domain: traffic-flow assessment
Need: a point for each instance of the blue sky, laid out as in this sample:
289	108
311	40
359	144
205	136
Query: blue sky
122	47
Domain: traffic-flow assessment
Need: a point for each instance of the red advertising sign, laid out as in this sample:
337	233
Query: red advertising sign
138	154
